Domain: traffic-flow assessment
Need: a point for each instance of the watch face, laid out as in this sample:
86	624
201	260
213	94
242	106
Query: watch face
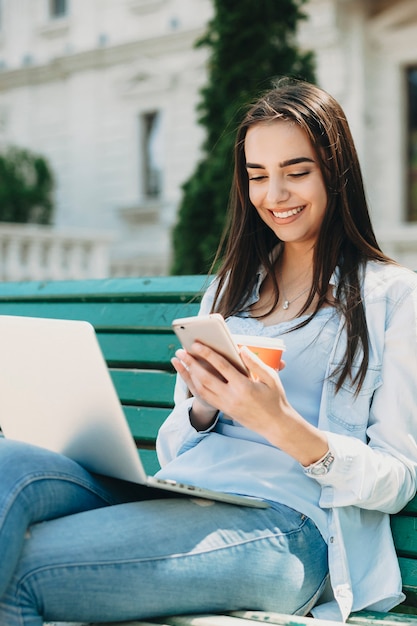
318	471
323	466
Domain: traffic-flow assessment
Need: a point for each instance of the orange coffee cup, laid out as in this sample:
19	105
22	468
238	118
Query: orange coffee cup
268	349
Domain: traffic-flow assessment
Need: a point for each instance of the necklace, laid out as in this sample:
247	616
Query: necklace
287	302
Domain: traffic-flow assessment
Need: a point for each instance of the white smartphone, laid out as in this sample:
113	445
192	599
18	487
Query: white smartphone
213	332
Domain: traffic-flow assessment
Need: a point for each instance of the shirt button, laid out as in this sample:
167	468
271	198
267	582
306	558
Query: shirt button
331	540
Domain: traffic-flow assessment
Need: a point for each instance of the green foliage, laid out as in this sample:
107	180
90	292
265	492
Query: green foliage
26	187
251	42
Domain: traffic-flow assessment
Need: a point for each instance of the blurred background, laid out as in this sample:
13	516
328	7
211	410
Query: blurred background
104	110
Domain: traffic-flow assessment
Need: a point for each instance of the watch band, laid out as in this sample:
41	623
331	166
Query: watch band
322	466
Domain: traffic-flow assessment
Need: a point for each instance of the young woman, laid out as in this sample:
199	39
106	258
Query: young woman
329	441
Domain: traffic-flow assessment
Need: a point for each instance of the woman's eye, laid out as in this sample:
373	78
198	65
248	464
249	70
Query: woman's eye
298	174
257	177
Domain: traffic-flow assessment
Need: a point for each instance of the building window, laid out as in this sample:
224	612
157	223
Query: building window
412	144
151	154
58	8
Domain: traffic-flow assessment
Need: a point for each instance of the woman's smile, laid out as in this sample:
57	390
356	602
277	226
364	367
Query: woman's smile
284	214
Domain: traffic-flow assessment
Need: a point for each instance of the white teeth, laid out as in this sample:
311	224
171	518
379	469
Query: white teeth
284	214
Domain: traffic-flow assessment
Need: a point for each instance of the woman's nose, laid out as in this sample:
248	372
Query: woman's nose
277	191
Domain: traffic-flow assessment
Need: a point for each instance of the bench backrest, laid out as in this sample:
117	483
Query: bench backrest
132	318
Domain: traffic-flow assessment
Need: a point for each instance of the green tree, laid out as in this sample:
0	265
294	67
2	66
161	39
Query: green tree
26	187
251	42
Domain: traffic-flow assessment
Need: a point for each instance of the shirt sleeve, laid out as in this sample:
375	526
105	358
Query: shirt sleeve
381	474
176	434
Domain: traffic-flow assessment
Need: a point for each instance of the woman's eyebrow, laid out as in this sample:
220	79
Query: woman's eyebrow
295	161
254	166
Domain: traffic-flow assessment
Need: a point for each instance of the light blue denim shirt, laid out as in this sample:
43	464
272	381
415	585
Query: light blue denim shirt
372	436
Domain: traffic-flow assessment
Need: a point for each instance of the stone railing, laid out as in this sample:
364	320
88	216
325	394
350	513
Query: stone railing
32	252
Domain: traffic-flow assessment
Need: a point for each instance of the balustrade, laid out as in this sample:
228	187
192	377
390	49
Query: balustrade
33	252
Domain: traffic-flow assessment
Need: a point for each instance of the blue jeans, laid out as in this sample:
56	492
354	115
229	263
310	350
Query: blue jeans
79	547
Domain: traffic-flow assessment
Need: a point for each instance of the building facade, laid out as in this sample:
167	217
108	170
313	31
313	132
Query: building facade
108	89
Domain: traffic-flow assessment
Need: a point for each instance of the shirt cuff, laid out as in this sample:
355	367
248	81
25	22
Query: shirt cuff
322	466
207	430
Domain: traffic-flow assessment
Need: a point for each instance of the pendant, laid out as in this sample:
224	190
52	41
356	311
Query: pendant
285	305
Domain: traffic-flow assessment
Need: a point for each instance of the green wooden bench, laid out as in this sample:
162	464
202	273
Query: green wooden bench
132	318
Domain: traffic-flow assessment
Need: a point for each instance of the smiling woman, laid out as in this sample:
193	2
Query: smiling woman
302	262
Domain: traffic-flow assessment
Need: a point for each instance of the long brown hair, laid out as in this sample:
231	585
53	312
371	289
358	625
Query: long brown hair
346	239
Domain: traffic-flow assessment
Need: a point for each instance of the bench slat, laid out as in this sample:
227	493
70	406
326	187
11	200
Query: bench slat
164	288
144	422
143	387
137	350
146	316
149	461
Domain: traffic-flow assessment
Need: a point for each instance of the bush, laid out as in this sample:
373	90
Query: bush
26	187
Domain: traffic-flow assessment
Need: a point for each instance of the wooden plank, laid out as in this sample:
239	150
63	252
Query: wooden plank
144	316
144	422
139	387
165	288
404	530
138	350
149	461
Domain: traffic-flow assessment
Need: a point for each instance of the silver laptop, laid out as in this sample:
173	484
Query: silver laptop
56	392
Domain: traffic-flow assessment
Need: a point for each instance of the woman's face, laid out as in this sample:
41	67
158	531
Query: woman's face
285	182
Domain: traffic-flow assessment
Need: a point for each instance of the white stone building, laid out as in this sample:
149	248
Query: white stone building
107	90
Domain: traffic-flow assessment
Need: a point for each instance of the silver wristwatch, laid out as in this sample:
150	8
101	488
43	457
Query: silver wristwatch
322	466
